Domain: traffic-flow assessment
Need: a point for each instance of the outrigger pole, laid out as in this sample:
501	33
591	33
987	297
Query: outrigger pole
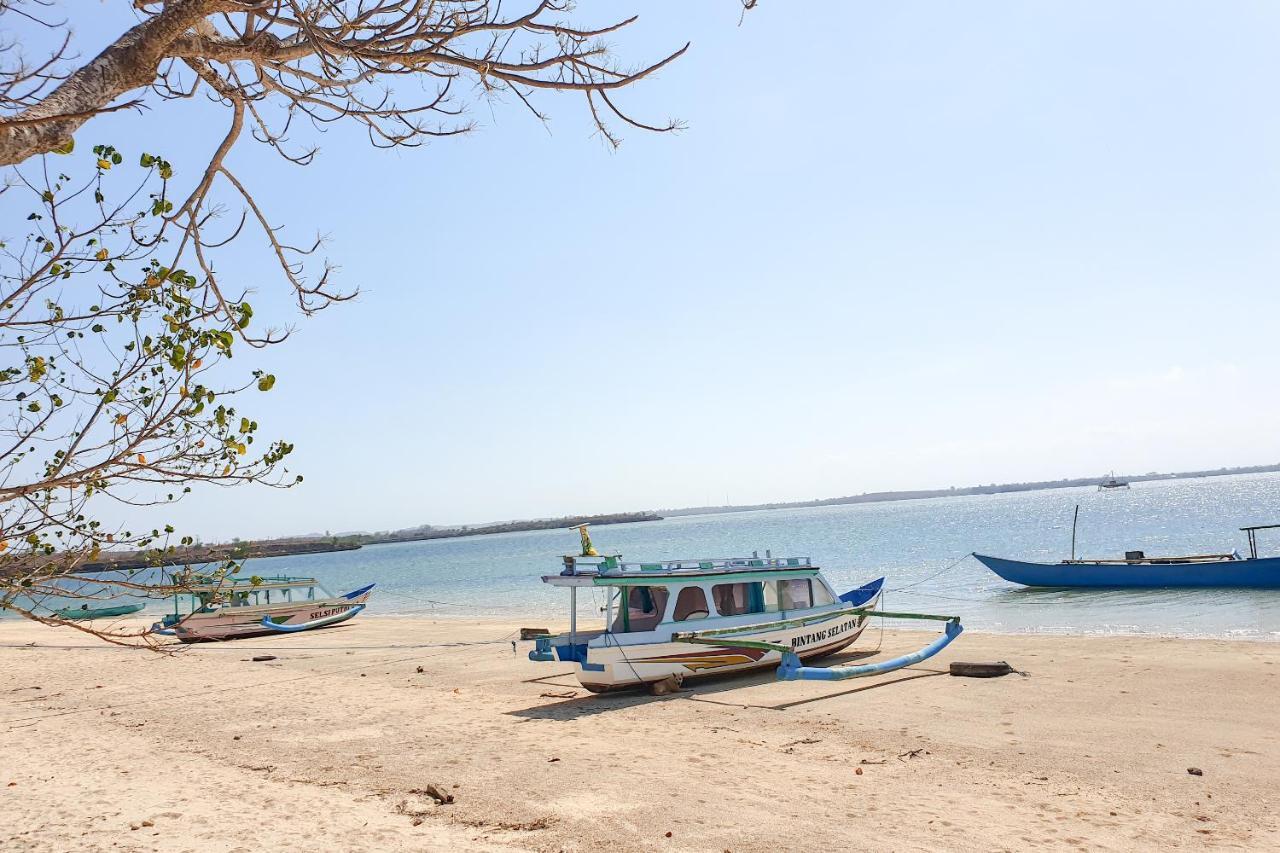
791	668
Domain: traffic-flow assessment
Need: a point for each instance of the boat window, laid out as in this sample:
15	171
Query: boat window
771	596
821	594
644	610
691	603
795	594
734	599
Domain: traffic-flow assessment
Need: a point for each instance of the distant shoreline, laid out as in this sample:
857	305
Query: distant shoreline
992	489
421	535
261	549
291	546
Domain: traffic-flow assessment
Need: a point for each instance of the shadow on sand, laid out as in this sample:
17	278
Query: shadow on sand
715	691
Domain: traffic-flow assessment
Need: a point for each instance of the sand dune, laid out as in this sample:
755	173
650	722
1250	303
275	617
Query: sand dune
332	745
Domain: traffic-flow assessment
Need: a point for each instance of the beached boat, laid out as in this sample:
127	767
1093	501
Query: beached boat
1139	570
245	607
84	611
683	619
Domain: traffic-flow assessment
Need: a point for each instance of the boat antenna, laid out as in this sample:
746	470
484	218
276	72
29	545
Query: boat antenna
1075	518
588	550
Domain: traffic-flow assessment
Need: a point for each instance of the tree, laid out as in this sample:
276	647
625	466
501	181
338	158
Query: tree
117	328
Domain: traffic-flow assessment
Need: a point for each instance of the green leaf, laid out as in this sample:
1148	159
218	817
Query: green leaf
266	382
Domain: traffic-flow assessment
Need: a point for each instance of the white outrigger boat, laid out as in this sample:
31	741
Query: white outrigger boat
682	619
228	608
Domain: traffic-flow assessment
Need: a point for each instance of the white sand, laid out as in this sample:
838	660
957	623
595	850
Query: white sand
334	737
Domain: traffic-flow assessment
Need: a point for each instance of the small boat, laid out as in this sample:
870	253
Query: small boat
228	608
684	619
1137	570
1111	483
84	611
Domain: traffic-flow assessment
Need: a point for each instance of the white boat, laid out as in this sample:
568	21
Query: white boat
243	607
656	614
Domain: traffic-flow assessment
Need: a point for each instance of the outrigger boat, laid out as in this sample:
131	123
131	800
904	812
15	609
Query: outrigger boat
683	619
1137	570
227	608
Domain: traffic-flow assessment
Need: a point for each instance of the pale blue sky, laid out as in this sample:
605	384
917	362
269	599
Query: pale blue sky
900	245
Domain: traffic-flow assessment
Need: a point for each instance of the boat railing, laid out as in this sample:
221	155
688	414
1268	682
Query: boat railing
609	565
1192	558
230	584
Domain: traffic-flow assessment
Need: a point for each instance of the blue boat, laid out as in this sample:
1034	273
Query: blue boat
1137	570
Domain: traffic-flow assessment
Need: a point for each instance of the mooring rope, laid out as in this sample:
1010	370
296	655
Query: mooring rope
936	574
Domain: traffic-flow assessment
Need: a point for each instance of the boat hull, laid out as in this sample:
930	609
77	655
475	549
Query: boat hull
229	623
79	615
614	667
1262	573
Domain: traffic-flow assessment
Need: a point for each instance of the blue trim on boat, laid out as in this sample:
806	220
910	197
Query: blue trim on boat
863	594
576	654
315	623
356	593
1261	573
792	670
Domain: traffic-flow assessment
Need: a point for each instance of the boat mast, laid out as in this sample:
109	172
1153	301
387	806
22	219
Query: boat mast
1075	518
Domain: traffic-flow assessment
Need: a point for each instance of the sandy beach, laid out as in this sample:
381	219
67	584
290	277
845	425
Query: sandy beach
332	745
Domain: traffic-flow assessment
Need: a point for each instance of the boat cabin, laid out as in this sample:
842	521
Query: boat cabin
642	597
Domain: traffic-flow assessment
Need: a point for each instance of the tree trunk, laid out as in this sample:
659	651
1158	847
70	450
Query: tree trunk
128	63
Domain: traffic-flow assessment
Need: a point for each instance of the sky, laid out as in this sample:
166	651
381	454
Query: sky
899	245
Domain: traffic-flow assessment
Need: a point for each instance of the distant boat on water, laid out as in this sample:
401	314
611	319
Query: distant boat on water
1111	483
1137	570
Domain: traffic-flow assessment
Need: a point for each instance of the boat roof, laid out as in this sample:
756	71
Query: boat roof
249	585
611	571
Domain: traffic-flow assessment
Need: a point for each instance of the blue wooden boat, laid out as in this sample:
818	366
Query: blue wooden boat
1137	570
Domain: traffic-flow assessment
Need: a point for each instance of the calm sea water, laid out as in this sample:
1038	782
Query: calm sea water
920	546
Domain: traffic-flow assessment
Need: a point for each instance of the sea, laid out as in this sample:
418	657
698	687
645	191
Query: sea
921	547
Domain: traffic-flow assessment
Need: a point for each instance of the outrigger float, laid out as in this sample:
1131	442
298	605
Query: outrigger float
227	608
655	612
